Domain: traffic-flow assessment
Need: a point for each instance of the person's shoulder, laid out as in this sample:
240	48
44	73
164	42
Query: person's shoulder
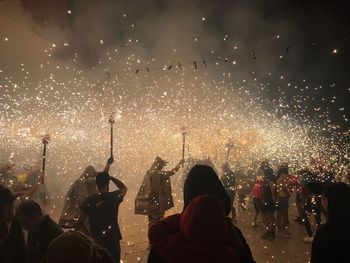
49	225
117	195
91	199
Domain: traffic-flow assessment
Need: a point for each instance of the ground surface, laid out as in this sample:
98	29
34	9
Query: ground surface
281	250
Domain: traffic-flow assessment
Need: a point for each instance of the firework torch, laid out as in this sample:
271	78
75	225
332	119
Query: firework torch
111	120
229	146
184	132
45	141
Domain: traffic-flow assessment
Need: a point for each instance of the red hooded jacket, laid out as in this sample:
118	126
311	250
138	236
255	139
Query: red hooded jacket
202	237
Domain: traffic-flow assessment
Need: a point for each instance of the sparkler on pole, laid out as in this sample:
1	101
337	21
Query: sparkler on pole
45	140
229	146
184	132
111	120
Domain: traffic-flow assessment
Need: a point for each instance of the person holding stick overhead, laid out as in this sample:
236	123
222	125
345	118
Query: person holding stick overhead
102	210
155	195
82	188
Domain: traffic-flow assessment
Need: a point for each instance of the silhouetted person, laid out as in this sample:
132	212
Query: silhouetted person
78	191
203	235
6	210
12	245
283	192
202	180
268	205
75	247
41	230
155	194
331	242
102	210
311	202
256	194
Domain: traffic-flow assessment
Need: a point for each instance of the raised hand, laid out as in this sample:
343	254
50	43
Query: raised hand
110	160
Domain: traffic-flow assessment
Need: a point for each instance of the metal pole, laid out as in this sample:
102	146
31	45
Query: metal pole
111	139
183	144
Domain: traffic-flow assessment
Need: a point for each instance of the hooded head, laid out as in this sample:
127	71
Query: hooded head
89	172
158	164
282	169
204	222
202	180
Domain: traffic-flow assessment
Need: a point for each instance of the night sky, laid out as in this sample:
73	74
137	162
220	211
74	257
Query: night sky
310	30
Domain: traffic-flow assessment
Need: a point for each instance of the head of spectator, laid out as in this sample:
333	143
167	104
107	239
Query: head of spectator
75	247
201	180
102	182
29	214
6	204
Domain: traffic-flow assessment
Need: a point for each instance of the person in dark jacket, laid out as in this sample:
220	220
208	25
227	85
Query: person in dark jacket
202	180
331	242
41	230
268	198
203	235
102	209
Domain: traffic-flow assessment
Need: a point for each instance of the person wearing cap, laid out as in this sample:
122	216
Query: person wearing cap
155	195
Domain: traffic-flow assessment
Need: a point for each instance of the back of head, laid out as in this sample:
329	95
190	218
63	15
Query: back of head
29	214
201	180
102	180
203	222
75	247
6	197
282	169
338	207
28	209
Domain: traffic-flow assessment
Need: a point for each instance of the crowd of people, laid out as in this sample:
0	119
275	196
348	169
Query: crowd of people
205	230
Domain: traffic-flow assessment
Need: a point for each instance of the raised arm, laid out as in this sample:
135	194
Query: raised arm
119	184
108	164
28	194
177	167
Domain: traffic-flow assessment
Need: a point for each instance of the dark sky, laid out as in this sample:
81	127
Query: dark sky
312	29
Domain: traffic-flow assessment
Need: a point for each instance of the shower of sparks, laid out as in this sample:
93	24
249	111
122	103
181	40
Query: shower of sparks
72	105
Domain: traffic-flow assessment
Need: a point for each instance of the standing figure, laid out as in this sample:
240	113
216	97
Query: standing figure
283	189
256	194
155	195
331	243
268	205
79	190
102	210
228	179
41	230
311	203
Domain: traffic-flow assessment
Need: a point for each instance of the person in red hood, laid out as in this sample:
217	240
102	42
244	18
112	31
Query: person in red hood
203	235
